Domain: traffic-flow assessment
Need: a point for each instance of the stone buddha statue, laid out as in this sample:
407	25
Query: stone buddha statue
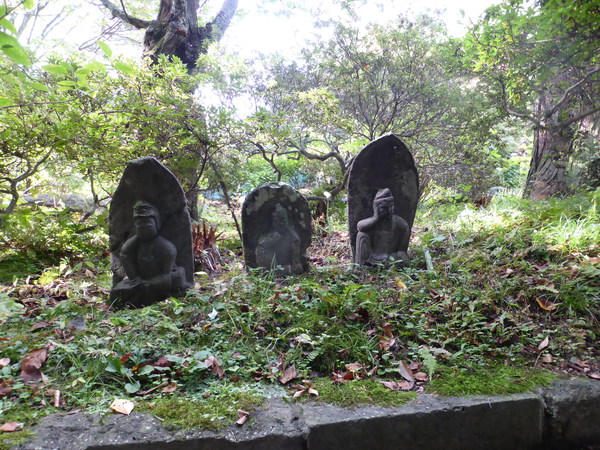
279	248
383	237
148	260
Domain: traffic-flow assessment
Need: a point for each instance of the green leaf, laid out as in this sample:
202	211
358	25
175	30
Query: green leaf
114	365
105	48
5	101
29	4
67	83
124	68
94	66
8	25
56	69
146	370
133	387
11	47
37	86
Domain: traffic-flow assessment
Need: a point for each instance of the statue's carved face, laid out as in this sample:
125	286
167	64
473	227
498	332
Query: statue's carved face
385	207
145	227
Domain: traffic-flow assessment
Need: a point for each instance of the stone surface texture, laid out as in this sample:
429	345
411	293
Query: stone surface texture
257	221
147	180
384	163
563	416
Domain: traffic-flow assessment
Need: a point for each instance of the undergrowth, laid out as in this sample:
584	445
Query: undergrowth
513	295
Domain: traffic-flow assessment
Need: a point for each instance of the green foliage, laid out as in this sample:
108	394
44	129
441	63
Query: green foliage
527	48
94	117
538	61
35	237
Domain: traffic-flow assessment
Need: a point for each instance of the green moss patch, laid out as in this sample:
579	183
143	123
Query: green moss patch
361	392
493	380
215	412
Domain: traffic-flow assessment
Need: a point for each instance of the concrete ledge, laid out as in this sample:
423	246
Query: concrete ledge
563	416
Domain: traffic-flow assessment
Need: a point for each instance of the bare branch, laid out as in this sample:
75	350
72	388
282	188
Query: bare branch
579	116
569	90
515	113
122	14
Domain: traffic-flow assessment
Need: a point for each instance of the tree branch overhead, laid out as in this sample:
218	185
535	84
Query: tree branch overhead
122	14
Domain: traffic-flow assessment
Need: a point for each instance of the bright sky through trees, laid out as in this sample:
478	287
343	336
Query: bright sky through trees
262	26
285	33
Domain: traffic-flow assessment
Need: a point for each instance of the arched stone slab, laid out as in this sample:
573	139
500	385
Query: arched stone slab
385	163
147	180
258	211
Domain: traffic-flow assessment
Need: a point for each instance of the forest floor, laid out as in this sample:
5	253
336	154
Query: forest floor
508	300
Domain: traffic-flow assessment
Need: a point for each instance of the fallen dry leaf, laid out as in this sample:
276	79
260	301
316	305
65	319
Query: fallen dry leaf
547	358
4	362
306	386
387	330
215	367
38	325
288	374
546	305
5	387
11	426
354	367
508	273
399	385
342	377
405	371
594	375
421	376
544	343
122	406
31	364
170	388
244	417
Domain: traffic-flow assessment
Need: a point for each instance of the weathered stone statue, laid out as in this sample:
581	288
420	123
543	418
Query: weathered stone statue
279	248
381	237
150	236
276	229
149	262
383	190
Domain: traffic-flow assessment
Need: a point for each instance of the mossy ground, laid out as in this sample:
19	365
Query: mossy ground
492	380
210	412
360	393
513	288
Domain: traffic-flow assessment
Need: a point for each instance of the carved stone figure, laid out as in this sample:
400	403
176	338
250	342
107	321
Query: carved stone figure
276	229
380	237
279	248
383	191
149	262
150	236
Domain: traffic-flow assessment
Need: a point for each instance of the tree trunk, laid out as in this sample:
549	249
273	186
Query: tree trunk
551	151
175	32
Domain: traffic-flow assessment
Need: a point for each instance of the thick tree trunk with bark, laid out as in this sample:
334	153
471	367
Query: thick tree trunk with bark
551	152
175	32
